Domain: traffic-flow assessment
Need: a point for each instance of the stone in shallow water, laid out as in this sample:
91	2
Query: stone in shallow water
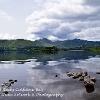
77	75
93	79
84	74
69	74
6	85
97	72
89	88
81	78
15	80
89	84
12	81
87	80
5	92
56	75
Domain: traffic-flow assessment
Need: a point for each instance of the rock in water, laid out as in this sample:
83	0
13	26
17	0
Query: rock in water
89	88
56	75
69	74
97	72
77	75
74	75
84	74
6	85
89	84
81	78
5	92
10	80
15	80
93	79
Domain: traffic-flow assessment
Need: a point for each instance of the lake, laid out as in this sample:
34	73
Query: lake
43	76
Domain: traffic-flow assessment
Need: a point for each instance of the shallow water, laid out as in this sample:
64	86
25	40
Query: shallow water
38	72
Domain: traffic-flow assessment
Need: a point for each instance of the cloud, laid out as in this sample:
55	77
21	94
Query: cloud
93	2
17	36
4	15
52	19
64	19
53	38
89	34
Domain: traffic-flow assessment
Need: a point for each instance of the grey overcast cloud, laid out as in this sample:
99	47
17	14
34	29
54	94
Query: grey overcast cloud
52	19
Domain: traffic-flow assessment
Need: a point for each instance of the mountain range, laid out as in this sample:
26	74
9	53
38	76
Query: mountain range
21	43
66	43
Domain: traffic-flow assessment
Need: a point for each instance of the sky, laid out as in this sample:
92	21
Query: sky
51	19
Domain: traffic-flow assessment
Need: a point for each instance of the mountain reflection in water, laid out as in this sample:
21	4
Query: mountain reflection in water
39	71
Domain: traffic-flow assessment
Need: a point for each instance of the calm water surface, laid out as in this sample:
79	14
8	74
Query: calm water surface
38	72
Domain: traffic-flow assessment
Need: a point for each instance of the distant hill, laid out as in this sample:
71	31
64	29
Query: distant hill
21	43
43	42
13	44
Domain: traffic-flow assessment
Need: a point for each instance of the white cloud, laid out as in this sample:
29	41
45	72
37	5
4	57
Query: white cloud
6	36
58	19
92	34
17	36
52	19
5	15
52	38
